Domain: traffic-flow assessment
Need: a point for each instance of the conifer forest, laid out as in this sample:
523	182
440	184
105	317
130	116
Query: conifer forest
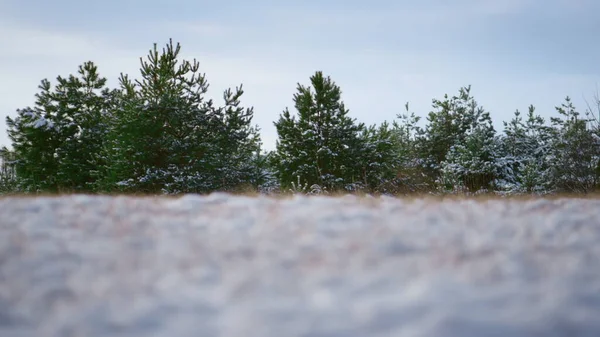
157	133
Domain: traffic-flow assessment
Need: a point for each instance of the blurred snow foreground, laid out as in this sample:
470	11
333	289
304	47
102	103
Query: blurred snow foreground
224	265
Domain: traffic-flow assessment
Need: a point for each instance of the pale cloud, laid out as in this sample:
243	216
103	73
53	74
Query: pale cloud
44	44
495	8
200	29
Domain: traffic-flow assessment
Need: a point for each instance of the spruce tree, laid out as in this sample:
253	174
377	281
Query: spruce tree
322	145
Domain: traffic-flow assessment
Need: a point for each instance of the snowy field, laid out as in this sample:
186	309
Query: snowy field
220	265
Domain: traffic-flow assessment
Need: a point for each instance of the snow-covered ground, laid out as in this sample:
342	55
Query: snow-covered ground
220	265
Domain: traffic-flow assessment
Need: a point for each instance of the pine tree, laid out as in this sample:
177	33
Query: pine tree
574	152
57	142
235	161
83	103
8	175
34	141
377	158
264	176
592	114
166	137
472	163
525	147
451	125
320	147
408	152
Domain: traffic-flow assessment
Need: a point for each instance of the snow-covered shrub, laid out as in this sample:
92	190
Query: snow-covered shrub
575	152
524	152
8	174
299	188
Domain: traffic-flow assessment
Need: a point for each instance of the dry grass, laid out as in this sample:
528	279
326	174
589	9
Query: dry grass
413	196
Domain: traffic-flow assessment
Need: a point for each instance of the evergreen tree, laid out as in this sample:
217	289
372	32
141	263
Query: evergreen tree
574	152
263	178
57	142
322	145
593	116
233	161
8	175
408	149
525	148
391	155
377	158
34	141
452	125
472	164
166	137
83	103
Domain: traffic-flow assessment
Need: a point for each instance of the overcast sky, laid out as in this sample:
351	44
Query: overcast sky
381	53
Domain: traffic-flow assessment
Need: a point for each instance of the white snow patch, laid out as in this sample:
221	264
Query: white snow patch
42	122
220	265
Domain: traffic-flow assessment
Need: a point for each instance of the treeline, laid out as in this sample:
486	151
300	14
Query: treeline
160	134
